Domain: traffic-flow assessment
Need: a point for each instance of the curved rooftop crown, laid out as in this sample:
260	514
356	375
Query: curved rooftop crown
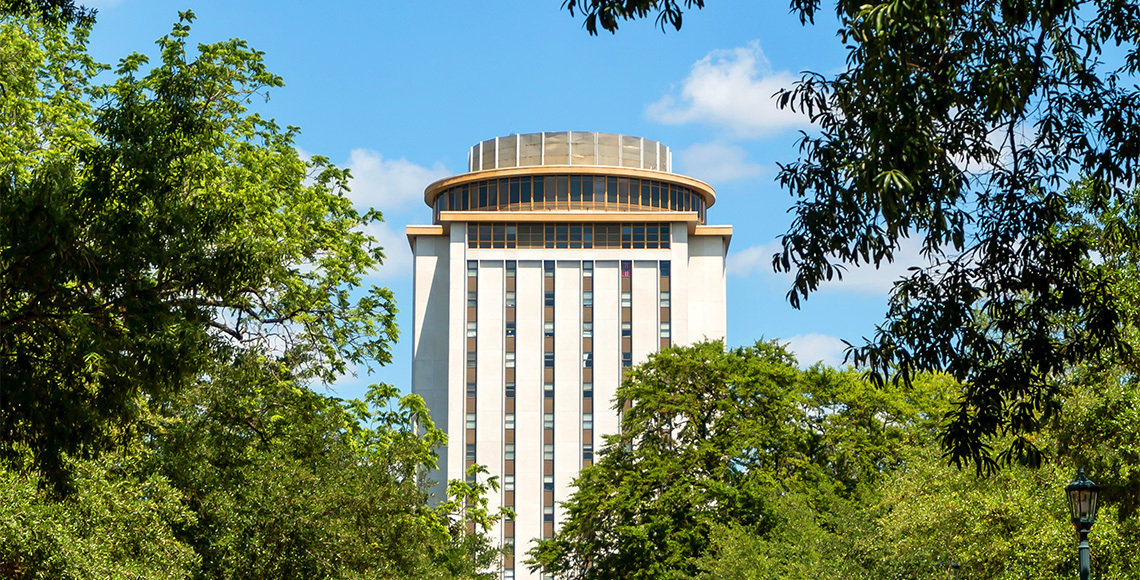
571	171
569	148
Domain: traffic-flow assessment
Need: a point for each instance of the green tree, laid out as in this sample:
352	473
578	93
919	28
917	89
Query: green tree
121	524
175	281
716	446
1011	525
290	484
960	124
153	226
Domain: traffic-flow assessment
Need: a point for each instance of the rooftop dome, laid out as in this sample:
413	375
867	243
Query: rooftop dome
569	148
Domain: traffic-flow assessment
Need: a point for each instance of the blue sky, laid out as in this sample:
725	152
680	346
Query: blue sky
398	91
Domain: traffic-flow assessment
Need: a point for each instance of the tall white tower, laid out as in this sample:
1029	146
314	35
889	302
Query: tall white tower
556	262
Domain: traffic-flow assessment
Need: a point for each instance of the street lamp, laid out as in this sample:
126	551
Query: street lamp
952	570
1082	509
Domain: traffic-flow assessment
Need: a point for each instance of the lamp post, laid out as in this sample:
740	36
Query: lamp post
1082	494
952	570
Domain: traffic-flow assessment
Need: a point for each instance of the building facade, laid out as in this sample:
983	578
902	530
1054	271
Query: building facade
555	263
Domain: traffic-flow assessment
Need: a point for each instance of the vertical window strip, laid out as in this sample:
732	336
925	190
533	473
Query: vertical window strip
666	290
548	340
509	317
470	427
587	405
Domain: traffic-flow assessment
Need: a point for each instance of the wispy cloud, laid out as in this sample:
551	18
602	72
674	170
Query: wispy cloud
397	253
718	162
756	261
732	89
813	348
389	184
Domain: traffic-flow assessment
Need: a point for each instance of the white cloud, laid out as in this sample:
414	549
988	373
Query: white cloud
718	162
733	89
397	253
754	259
389	184
813	348
865	279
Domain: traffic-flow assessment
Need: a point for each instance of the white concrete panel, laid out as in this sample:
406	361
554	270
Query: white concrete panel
429	335
646	310
456	358
528	406
567	379
607	347
707	310
679	282
489	380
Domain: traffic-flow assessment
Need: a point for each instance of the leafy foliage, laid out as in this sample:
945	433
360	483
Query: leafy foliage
962	125
176	279
717	446
115	526
153	225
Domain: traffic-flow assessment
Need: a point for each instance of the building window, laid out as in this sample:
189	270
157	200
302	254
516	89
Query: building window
626	268
509	452
548	510
548	420
548	329
510	329
587	269
548	390
548	268
510	298
626	359
472	268
509	545
587	330
588	299
548	360
665	268
509	421
665	299
549	298
625	300
587	360
510	362
588	452
470	390
509	391
548	452
472	300
626	329
509	574
548	485
471	328
471	420
587	420
664	330
510	268
508	483
587	390
471	360
470	452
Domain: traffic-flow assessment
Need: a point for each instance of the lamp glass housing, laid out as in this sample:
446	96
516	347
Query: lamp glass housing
1082	494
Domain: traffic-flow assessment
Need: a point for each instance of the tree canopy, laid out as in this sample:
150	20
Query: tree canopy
738	465
715	441
153	226
1000	137
176	281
